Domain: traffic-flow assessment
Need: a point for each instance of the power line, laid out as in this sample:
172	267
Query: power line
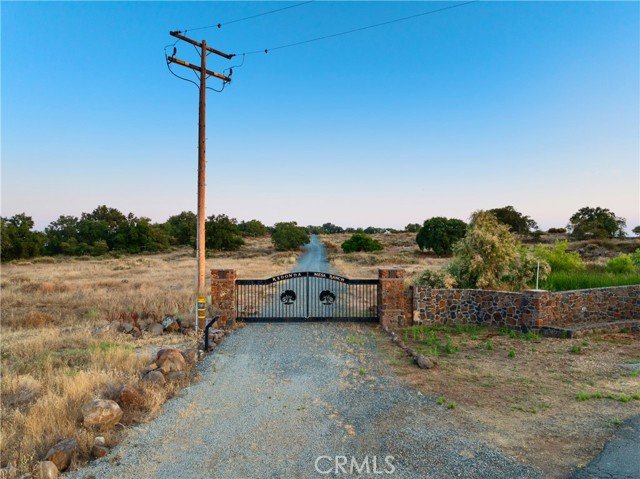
325	37
219	25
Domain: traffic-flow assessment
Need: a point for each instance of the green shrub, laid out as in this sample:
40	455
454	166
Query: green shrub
621	264
289	236
559	258
434	279
635	258
361	242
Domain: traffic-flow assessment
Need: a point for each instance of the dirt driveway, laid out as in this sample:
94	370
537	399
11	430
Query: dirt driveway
304	400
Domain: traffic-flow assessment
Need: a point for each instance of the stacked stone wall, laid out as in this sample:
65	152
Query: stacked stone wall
598	305
468	306
530	308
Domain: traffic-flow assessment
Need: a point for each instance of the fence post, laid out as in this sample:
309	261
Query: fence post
223	296
393	304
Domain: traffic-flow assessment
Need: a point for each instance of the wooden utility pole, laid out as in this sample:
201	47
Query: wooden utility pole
202	132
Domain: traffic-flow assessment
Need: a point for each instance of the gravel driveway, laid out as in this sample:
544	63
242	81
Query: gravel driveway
275	397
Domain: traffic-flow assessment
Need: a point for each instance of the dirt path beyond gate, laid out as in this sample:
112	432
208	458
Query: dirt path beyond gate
302	400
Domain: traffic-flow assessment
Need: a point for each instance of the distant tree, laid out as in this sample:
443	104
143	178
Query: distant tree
62	236
101	224
636	231
412	228
361	242
490	257
597	223
330	228
372	230
17	238
289	236
253	228
222	233
314	230
182	228
440	234
556	230
517	222
136	235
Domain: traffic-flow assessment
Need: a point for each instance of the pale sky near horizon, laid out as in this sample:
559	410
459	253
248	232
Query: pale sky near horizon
530	104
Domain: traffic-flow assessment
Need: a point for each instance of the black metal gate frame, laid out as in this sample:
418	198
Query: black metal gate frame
307	296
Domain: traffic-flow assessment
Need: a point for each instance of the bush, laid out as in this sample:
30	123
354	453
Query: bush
253	228
558	257
440	234
361	242
557	230
222	233
621	264
635	258
490	257
289	236
517	222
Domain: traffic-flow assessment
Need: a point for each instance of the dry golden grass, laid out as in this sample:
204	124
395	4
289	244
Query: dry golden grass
56	353
400	250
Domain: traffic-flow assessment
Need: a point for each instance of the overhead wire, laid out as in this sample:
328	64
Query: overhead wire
220	25
347	32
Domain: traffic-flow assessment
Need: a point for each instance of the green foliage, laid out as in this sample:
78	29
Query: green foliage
222	233
289	236
434	278
182	228
489	257
330	228
568	281
557	230
361	242
412	228
621	264
636	230
635	258
253	228
597	223
440	234
18	239
558	257
517	222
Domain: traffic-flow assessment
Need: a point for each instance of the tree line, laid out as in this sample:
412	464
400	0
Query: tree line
106	230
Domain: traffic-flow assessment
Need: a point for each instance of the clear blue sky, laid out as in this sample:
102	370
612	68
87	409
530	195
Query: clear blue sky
534	105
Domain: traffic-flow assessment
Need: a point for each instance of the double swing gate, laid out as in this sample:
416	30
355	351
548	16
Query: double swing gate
307	296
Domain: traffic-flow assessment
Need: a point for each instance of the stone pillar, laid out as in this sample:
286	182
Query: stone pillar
392	298
536	310
223	296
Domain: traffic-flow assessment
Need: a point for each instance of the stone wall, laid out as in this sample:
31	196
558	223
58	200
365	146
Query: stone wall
599	305
531	308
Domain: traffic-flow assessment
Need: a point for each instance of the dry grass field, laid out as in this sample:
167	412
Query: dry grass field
57	352
400	250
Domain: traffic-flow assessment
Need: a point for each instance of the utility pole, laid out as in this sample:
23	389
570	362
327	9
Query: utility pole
200	239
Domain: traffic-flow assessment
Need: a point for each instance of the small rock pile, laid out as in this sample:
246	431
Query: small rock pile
420	360
138	326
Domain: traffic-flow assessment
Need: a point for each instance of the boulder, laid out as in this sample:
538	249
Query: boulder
99	441
171	360
190	356
176	375
62	453
423	362
173	327
156	329
127	327
130	396
101	412
99	451
155	377
45	470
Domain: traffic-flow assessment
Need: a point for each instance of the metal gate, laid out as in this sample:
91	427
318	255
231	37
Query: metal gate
307	296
